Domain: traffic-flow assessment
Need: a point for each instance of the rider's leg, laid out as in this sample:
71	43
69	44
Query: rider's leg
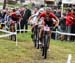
49	33
49	40
40	34
33	26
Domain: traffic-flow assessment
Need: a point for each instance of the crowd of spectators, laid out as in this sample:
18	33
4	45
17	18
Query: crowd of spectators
10	16
67	23
22	14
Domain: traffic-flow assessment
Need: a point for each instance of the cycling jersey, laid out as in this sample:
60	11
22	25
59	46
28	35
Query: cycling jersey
35	16
48	18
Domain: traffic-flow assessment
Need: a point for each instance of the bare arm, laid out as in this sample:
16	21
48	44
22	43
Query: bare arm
56	20
31	17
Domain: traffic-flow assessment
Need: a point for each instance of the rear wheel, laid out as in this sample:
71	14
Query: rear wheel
45	52
42	51
36	37
37	45
34	42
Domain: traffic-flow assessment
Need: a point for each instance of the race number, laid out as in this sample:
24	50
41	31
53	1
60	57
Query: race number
46	28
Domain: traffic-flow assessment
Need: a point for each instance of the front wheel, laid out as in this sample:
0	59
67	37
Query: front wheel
37	44
46	40
44	52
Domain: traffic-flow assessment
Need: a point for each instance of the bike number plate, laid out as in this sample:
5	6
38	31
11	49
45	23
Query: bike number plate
46	28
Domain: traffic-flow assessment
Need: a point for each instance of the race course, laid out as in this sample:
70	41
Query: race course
26	53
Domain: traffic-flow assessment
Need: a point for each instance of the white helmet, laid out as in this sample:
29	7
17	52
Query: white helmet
17	12
41	10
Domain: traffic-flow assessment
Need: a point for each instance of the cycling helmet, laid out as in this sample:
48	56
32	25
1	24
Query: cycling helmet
48	8
41	10
17	13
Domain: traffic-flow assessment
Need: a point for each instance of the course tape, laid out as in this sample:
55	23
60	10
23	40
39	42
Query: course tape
14	33
23	30
63	33
71	34
4	31
8	33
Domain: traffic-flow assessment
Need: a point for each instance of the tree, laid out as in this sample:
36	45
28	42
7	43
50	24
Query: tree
4	5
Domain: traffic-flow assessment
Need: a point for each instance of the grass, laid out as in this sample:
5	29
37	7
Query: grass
26	53
12	5
1	3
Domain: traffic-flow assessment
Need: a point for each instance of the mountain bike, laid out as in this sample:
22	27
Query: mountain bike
45	41
36	36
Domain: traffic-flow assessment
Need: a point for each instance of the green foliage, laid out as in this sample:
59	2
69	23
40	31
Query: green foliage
26	53
29	5
11	2
1	3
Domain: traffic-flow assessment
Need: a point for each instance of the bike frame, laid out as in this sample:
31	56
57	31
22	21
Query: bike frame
36	36
45	43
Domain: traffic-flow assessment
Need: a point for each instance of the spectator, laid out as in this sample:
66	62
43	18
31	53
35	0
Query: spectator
22	11
68	23
73	25
3	15
15	16
63	25
58	13
25	19
7	20
33	5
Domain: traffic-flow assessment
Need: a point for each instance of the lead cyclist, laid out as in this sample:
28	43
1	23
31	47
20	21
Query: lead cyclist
49	19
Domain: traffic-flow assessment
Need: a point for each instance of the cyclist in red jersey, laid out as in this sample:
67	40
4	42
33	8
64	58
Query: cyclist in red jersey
49	19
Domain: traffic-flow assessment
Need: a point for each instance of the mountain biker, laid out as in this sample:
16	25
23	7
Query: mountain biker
49	19
33	19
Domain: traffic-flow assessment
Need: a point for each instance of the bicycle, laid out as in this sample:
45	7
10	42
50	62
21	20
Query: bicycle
45	41
36	36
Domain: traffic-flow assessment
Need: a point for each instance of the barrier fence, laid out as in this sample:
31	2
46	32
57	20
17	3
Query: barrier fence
8	34
15	33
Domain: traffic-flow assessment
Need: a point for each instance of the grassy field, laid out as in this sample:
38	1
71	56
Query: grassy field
11	5
26	53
